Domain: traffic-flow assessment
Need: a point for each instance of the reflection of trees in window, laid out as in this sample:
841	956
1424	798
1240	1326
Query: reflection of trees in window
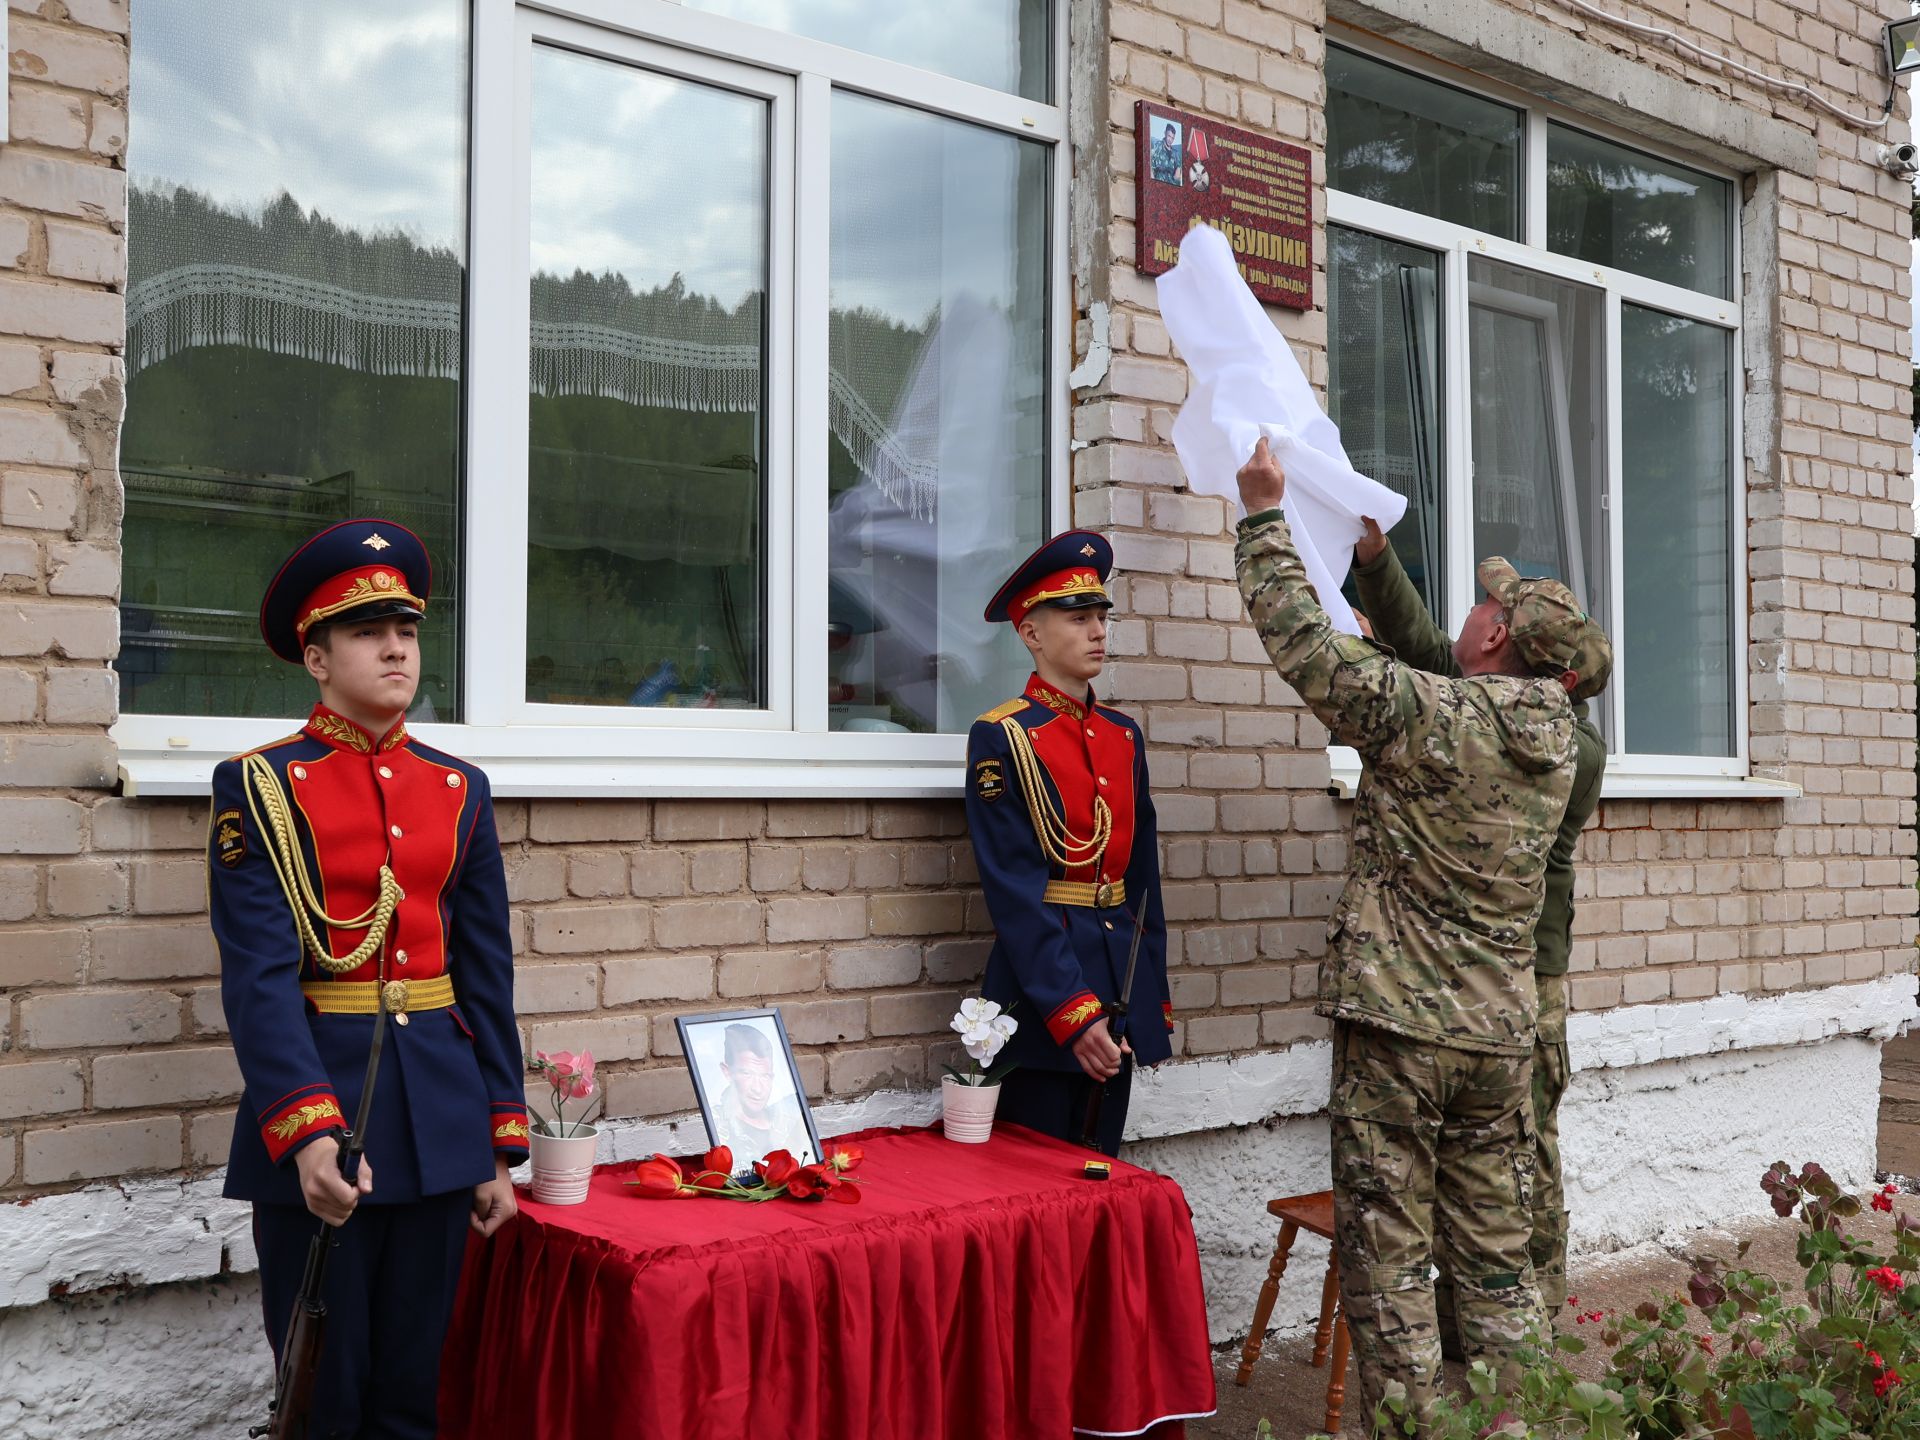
1610	206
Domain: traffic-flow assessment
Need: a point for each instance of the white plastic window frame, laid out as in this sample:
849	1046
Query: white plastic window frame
1628	776
787	749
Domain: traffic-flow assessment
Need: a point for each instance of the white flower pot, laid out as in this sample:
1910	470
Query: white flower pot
562	1165
967	1110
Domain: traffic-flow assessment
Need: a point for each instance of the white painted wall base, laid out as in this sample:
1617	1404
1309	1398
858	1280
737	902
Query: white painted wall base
1674	1112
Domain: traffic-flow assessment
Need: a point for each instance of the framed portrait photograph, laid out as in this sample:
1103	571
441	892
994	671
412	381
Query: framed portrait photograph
749	1089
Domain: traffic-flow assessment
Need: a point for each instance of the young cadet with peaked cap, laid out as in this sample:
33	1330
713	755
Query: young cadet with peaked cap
1068	852
1558	639
1428	975
355	880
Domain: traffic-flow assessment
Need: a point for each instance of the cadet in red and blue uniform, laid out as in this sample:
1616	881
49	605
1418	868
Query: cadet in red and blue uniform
1068	853
355	880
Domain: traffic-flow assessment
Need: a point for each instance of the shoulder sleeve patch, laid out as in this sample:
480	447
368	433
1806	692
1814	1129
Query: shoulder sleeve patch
229	838
1001	712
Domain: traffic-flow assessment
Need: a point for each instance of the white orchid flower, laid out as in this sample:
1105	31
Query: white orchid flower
974	1012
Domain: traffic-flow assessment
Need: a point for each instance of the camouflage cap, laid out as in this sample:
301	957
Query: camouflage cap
1550	630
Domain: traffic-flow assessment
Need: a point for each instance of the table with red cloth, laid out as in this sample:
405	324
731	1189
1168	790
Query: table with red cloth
976	1292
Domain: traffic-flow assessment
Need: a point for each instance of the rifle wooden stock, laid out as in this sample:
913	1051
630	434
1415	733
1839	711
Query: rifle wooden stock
299	1370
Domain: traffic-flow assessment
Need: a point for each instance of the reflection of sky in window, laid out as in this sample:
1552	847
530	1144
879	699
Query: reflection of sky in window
648	176
357	108
976	40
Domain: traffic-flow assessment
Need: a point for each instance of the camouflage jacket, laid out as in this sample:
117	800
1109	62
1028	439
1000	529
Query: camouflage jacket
1400	619
1464	787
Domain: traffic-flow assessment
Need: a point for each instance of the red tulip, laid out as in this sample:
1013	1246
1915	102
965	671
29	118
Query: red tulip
659	1178
811	1180
720	1160
777	1169
845	1157
847	1193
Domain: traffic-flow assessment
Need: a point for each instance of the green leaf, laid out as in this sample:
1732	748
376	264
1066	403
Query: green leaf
1569	1344
1769	1406
1481	1380
1590	1399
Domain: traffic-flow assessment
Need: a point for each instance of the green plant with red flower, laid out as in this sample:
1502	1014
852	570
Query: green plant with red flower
779	1174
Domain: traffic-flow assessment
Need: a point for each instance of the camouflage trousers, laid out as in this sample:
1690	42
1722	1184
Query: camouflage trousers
1549	1244
1430	1144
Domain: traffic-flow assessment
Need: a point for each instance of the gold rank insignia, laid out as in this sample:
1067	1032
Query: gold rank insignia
1088	551
989	781
377	541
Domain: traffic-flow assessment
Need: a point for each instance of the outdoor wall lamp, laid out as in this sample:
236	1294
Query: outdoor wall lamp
1902	45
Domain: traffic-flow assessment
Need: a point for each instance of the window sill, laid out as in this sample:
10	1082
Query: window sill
601	763
1620	783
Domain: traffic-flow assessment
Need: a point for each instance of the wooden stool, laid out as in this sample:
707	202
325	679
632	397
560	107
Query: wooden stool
1313	1213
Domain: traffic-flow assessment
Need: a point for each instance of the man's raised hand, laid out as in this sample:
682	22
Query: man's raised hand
1263	484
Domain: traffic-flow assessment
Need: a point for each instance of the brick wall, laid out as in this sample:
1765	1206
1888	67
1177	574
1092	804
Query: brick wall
860	918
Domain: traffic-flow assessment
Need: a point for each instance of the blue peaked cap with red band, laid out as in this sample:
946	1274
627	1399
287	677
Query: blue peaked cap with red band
356	570
1069	571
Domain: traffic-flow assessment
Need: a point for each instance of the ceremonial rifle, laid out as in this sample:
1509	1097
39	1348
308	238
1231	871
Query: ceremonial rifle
1116	1016
292	1404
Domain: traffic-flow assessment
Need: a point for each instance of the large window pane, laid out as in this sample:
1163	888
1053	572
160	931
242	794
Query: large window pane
293	325
1615	206
1538	389
1404	140
646	475
937	410
1677	449
1383	358
1001	43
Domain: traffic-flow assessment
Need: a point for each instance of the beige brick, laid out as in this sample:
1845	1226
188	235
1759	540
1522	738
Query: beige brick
47	117
165	1077
890	1067
74	630
210	1137
1593	992
812	819
132	951
816	918
916	819
707	819
56	312
40	1087
825	1022
77	696
609	1037
589	929
16	236
150	824
1214	1034
95	1149
49	762
209	1018
922	1012
663	1090
535	875
107	134
87	887
595	874
830	868
1291	1027
659	874
572	822
717	870
55	956
865	967
62	187
64	55
1255	985
758	973
957	961
79	252
170	887
82	376
690	923
916	914
19	894
41	502
99	1017
545	988
659	977
774	867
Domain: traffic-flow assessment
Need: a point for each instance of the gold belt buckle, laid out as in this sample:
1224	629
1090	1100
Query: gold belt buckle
393	999
1103	894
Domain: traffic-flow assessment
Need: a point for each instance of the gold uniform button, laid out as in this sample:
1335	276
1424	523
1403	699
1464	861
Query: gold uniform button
299	772
385	773
1107	923
1103	779
453	780
396	832
400	956
1089	734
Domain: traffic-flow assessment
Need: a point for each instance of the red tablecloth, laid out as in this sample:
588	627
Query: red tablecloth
977	1292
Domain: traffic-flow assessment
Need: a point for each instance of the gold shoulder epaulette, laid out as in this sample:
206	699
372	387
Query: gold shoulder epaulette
1001	712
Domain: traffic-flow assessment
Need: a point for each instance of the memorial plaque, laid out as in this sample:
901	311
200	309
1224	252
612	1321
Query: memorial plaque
1252	188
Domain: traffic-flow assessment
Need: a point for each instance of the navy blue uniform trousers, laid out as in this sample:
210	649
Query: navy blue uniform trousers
389	1291
1054	1102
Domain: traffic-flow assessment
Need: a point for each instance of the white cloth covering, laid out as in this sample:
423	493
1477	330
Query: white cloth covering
1247	383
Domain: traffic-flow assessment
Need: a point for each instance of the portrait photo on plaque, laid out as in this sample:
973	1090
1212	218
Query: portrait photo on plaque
748	1086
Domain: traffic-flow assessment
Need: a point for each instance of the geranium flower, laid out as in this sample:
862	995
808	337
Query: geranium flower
777	1169
659	1178
1885	1381
845	1157
1887	1278
1881	1201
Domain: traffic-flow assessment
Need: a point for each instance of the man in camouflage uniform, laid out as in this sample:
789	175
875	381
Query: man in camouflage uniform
1429	968
1554	636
